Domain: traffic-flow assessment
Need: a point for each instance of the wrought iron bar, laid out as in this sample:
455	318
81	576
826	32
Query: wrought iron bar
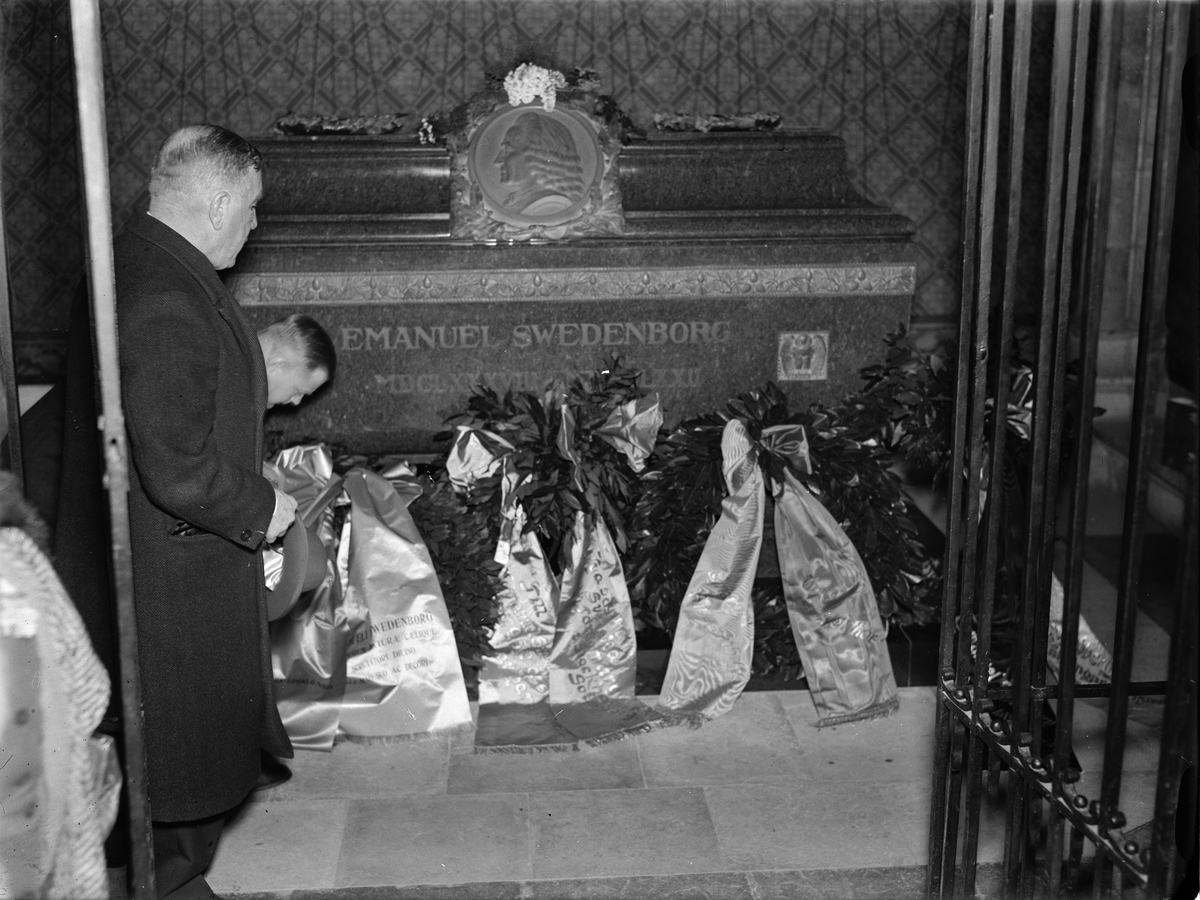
993	775
1090	295
970	856
1148	379
1074	859
938	837
1054	852
1179	714
979	346
978	353
1099	870
953	807
982	613
1033	771
1066	285
1014	834
1039	533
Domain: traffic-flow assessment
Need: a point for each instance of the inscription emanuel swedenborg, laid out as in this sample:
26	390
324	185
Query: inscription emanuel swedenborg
535	336
407	361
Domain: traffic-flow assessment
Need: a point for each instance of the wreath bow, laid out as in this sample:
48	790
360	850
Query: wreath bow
791	443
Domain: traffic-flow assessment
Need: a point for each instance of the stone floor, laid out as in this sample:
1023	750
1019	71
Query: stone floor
757	804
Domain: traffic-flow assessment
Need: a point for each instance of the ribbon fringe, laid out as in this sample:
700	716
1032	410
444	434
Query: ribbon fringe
366	740
670	719
526	748
874	712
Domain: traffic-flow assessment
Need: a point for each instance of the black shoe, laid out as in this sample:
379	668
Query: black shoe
273	772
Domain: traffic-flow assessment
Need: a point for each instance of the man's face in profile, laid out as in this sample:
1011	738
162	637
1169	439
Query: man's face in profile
241	217
290	380
511	158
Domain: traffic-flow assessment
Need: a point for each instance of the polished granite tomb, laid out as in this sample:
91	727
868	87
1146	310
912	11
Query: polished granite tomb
745	258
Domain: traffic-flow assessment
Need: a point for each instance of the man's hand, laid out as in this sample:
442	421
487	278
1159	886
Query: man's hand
285	512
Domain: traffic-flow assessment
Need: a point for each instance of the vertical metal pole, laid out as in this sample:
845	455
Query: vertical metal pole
993	521
957	738
1072	51
974	451
1074	858
1025	804
938	838
1090	298
1040	513
1148	381
89	80
1066	286
1179	714
8	360
10	399
1054	853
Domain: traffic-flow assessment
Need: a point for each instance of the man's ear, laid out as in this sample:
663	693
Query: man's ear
218	206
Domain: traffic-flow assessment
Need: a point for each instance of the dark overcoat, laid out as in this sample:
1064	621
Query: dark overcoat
194	390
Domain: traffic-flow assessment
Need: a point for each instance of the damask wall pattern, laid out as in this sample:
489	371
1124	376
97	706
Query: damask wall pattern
887	76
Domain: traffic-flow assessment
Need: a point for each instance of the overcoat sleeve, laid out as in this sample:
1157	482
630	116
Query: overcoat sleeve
170	371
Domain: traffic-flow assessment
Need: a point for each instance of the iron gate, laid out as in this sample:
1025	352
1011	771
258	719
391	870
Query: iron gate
1002	725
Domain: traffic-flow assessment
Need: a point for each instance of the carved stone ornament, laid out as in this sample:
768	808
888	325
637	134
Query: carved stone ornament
522	173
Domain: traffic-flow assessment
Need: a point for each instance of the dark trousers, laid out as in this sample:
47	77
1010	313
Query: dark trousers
183	851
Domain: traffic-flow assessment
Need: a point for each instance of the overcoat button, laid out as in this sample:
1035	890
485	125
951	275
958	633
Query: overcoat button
246	535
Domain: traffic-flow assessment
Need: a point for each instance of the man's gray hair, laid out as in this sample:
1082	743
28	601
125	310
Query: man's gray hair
198	158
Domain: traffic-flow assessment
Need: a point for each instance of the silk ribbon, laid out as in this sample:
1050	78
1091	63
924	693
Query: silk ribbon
834	616
404	677
308	645
714	639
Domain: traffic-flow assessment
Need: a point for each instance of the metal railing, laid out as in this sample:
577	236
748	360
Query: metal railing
994	716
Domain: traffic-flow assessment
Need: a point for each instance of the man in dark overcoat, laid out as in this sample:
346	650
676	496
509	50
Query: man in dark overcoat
194	389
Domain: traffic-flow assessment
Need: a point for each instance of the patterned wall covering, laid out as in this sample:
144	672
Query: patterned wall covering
888	76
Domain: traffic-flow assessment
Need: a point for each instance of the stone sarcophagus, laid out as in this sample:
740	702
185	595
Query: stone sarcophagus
742	258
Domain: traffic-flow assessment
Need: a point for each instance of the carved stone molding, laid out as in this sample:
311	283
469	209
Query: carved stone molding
486	286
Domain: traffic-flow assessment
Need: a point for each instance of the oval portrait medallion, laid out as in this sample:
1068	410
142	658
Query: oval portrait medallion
535	166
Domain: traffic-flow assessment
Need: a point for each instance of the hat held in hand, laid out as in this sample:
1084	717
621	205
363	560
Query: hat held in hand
304	566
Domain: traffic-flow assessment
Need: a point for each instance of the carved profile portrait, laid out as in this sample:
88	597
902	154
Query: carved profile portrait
540	166
532	172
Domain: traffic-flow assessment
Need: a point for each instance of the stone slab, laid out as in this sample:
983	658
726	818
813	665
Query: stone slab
435	840
413	344
395	176
744	258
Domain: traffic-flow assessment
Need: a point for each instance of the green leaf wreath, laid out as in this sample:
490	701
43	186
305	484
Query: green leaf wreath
851	462
554	487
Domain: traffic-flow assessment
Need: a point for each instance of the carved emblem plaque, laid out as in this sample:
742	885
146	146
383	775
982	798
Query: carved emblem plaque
803	356
526	173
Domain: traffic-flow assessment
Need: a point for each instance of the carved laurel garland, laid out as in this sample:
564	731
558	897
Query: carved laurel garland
360	288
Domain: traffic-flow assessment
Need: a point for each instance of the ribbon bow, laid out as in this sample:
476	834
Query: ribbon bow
632	428
790	442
